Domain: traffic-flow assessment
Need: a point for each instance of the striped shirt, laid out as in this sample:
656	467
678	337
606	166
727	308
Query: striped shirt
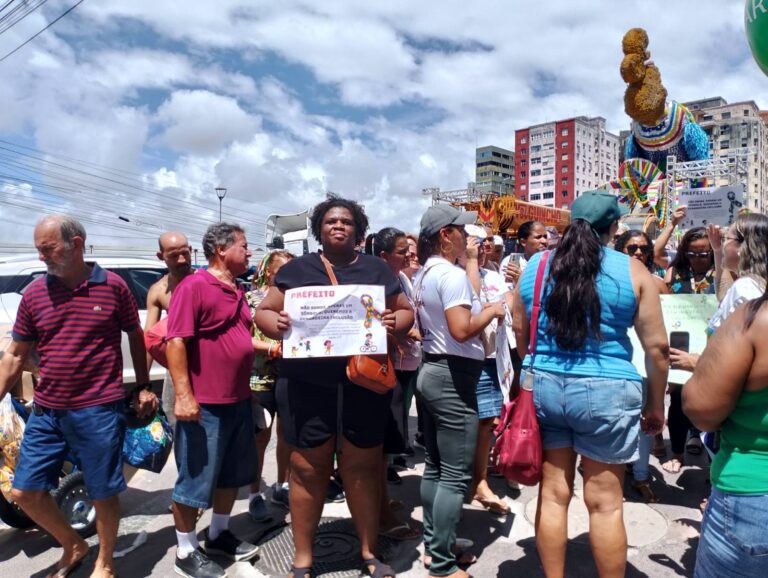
78	334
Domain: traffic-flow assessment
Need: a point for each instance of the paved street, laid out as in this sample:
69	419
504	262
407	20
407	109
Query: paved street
662	537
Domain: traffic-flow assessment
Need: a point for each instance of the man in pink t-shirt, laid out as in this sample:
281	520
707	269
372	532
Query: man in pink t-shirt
210	354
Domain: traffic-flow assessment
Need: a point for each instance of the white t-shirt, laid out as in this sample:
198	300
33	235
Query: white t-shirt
744	289
492	289
440	285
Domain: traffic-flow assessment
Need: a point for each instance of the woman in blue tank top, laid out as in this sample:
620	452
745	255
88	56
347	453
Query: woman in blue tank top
587	393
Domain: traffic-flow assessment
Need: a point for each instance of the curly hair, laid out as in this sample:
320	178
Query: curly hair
332	202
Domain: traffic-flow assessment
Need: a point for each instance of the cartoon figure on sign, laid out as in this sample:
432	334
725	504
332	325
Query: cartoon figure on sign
734	205
328	346
294	350
368	344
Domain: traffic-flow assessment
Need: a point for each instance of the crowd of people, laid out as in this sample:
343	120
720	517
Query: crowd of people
458	311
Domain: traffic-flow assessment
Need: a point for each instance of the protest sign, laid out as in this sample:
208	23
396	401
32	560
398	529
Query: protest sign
682	313
335	321
711	206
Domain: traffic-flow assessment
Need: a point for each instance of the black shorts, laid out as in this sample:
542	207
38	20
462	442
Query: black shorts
267	400
308	413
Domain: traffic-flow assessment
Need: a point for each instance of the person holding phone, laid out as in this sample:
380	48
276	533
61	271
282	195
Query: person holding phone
532	238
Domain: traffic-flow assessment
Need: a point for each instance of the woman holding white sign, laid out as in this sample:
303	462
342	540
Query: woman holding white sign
451	319
320	408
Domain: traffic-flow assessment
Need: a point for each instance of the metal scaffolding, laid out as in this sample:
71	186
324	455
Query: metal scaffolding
469	195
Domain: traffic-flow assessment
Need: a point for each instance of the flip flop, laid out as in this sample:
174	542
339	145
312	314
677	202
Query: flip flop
67	570
401	533
673	466
495	506
644	489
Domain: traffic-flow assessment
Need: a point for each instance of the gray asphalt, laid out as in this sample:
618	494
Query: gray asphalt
662	536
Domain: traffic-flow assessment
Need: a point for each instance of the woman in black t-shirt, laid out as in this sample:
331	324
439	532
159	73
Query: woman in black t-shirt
312	392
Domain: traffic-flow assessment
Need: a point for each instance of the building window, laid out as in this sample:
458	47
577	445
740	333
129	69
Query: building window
523	140
564	132
564	169
549	195
536	173
535	160
565	193
523	152
746	112
564	181
523	162
564	157
724	144
522	174
535	197
726	115
523	187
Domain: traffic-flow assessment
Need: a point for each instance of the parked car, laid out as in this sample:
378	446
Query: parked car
17	272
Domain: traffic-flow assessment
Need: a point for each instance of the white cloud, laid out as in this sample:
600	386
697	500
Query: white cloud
399	95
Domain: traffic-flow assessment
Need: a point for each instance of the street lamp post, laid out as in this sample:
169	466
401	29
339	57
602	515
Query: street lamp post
221	192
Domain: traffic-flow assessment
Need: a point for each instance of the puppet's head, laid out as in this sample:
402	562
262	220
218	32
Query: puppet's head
645	98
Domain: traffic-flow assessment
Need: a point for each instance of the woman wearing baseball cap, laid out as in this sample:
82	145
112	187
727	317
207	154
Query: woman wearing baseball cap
588	395
451	319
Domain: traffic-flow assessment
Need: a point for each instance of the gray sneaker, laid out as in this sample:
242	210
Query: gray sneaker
198	565
280	496
230	546
258	510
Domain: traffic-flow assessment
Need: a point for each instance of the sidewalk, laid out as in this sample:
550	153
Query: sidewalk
662	537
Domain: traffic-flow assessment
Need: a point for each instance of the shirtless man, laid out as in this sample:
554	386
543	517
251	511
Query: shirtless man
176	253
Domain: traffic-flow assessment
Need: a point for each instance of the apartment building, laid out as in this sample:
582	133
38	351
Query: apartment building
495	170
738	128
557	161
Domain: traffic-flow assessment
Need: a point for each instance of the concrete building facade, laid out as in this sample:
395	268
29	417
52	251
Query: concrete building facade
494	170
734	128
557	161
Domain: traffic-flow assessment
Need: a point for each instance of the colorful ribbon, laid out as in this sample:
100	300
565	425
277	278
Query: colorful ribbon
371	312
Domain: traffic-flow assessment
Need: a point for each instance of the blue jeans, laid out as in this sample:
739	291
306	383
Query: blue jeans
219	451
596	416
734	540
91	436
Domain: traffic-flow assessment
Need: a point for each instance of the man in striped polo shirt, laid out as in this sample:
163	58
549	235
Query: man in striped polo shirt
74	316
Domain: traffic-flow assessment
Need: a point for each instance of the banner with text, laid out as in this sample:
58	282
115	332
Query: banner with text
719	206
335	321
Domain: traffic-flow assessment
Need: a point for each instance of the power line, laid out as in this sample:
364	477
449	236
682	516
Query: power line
18	13
31	38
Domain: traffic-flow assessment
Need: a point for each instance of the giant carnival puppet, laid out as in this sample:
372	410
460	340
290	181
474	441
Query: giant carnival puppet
660	128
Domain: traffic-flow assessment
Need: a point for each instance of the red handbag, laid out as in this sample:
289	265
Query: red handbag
517	453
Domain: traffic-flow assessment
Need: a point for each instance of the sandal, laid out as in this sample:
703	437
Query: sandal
673	466
302	572
380	569
644	489
494	505
400	533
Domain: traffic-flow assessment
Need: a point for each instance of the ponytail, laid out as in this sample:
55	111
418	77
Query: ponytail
573	306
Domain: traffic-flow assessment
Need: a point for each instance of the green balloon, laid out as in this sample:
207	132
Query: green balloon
756	23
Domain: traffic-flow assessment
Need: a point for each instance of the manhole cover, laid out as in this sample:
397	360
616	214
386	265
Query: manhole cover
336	551
644	524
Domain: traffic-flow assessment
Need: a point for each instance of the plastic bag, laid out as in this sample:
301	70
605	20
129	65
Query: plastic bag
148	445
11	433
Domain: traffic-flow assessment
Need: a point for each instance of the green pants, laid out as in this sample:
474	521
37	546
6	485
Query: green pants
447	391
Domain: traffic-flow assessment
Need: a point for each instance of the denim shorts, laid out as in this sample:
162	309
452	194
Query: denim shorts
489	396
219	451
733	539
598	417
92	437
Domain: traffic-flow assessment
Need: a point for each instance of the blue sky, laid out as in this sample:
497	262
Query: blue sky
280	102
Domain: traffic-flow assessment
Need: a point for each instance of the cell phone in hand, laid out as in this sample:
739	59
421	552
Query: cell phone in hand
514	258
680	340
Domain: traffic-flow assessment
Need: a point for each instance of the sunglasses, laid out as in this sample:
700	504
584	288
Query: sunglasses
698	255
644	249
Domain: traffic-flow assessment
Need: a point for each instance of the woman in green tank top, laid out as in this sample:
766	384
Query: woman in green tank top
729	391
